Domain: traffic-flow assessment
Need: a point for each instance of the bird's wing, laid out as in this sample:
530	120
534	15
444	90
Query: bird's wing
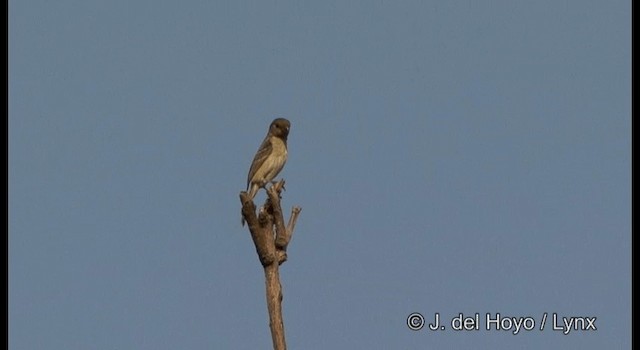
263	152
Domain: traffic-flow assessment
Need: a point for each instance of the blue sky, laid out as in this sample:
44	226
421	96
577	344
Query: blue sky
449	156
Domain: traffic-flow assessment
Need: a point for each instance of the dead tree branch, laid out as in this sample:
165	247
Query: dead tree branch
271	238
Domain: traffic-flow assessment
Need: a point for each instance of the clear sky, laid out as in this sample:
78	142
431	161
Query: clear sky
449	156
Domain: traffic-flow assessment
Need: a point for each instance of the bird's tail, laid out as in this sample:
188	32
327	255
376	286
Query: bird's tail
253	190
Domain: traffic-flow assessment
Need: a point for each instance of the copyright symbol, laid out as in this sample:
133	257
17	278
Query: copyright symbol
415	321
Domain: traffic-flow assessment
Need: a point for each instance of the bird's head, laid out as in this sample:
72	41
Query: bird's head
280	128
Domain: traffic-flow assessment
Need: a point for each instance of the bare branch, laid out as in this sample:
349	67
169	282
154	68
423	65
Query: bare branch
260	228
271	238
274	305
295	211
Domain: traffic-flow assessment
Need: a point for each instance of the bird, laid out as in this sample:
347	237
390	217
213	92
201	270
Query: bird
270	158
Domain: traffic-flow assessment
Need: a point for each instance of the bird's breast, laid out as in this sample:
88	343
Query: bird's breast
274	162
279	147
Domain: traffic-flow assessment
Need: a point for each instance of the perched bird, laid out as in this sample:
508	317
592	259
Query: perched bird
270	158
